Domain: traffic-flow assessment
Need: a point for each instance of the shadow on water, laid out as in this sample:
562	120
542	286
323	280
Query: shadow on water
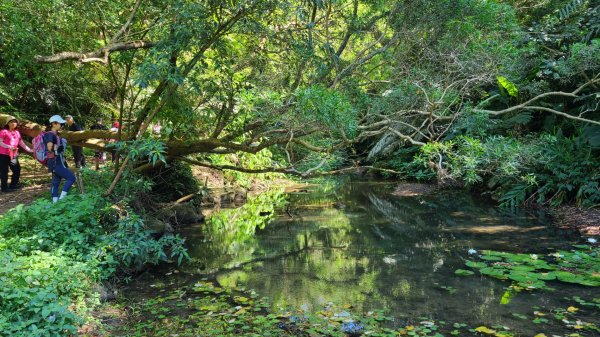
356	244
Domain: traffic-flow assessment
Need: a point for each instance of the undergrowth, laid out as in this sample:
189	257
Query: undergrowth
53	256
549	169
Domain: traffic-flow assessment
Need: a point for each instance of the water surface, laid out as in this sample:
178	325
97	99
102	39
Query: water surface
357	245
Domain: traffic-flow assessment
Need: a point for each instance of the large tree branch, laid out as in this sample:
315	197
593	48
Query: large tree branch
100	55
350	30
285	170
124	28
529	105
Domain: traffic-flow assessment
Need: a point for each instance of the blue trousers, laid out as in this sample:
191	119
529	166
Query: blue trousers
61	172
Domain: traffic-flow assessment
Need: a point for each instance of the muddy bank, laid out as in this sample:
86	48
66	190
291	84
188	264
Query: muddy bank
414	189
586	221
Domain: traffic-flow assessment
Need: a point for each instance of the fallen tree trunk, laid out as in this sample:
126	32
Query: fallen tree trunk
95	139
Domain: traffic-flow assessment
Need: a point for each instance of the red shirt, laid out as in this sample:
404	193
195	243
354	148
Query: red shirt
11	138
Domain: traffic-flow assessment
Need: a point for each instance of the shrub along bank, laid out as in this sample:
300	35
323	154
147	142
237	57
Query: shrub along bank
549	169
54	256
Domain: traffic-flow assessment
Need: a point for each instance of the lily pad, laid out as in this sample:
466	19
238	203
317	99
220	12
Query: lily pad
477	265
463	272
531	270
523	268
527	280
494	272
488	257
583	279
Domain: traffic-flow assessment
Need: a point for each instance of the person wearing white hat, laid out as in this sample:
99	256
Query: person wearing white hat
56	160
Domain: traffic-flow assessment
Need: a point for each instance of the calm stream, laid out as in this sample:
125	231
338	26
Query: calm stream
357	245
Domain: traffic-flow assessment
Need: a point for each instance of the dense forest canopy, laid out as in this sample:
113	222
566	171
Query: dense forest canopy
479	91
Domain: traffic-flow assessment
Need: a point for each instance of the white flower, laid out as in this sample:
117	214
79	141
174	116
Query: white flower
533	256
472	251
592	240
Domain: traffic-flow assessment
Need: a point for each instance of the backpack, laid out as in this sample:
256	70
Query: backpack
40	151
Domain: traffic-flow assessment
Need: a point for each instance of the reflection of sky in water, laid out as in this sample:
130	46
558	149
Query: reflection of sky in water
359	245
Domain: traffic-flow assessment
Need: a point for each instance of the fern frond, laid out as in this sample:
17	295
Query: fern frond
566	11
594	26
521	118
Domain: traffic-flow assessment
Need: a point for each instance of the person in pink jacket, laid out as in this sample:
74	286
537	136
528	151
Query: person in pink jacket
10	140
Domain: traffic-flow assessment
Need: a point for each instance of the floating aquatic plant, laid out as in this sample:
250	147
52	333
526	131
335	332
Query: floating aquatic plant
531	271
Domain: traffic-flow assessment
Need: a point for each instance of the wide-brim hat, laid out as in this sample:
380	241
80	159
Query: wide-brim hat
4	119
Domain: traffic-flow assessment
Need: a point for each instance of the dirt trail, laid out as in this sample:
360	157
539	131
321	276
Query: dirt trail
35	179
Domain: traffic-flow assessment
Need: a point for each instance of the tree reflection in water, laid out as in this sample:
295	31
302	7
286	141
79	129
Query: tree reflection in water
378	251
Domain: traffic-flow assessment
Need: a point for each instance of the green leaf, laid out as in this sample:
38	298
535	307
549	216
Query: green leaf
494	272
510	87
477	265
463	272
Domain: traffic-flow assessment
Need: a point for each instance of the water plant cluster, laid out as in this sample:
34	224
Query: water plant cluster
532	271
208	309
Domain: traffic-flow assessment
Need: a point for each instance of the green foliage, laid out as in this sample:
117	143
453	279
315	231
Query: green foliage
326	107
569	8
403	161
463	156
463	272
38	293
551	169
130	246
53	254
132	187
143	149
260	160
510	87
173	181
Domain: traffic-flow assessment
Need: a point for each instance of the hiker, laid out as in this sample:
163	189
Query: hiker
56	160
115	129
10	140
99	155
77	150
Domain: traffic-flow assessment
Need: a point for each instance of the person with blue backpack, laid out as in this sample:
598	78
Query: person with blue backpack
55	161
